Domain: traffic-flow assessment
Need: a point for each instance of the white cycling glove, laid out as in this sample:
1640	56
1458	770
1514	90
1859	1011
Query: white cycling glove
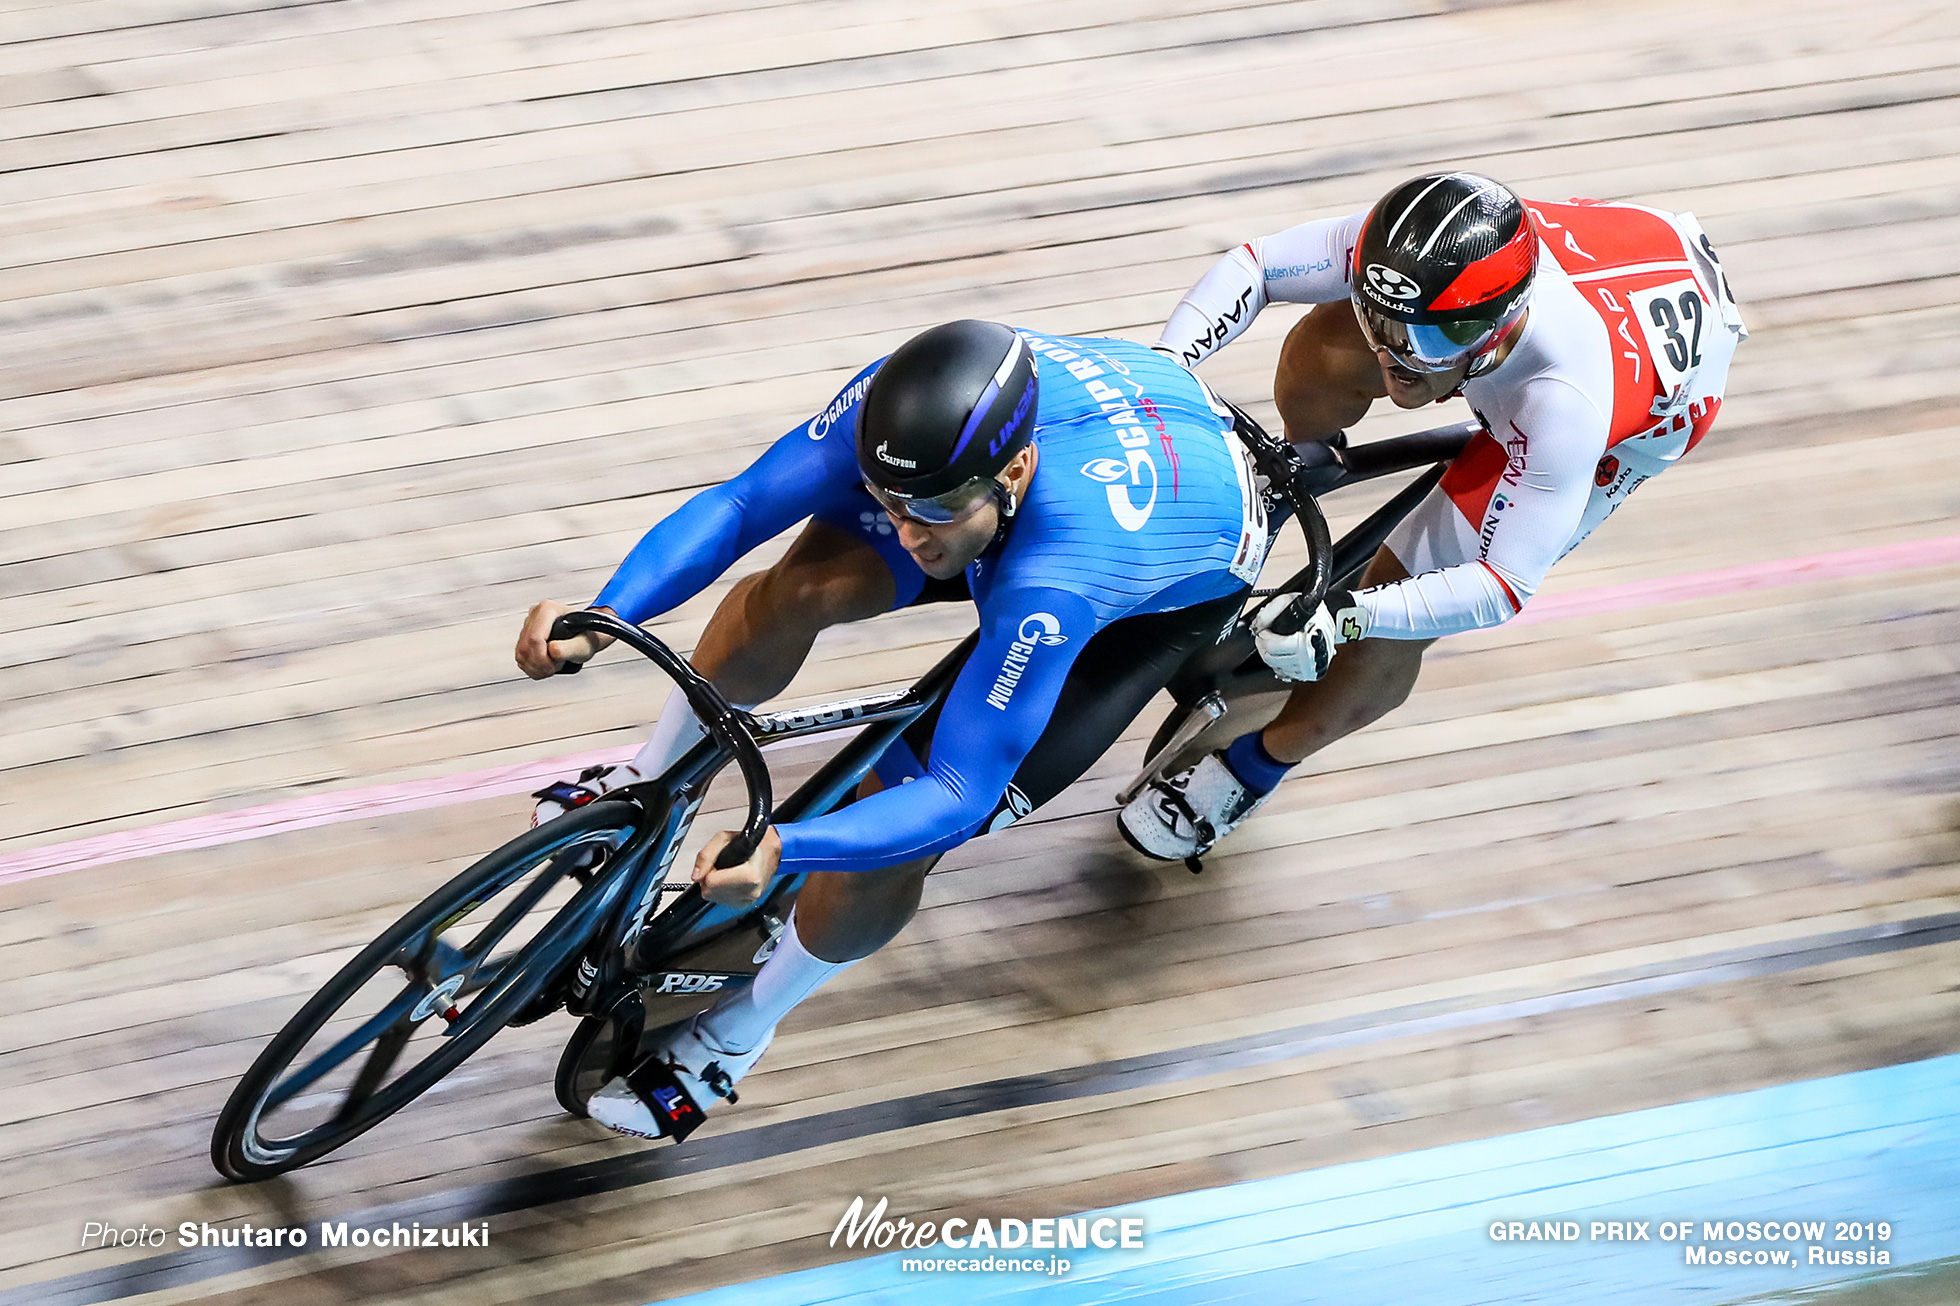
1305	654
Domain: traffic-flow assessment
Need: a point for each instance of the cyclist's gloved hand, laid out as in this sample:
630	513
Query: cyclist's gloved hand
1306	653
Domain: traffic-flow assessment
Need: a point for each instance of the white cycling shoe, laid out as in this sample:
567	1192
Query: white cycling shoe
593	783
1181	816
668	1093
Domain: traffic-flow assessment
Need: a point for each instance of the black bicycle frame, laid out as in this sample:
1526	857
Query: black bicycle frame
1297	473
732	735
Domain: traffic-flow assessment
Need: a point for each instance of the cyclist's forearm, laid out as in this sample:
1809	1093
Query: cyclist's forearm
997	709
884	829
1448	601
678	558
1307	264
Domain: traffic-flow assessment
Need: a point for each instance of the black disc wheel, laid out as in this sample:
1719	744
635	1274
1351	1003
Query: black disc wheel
412	1005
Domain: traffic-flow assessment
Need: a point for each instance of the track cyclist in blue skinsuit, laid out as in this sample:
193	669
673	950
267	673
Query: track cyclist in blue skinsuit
1090	498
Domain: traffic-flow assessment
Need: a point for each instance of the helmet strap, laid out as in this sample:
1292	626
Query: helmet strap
1008	505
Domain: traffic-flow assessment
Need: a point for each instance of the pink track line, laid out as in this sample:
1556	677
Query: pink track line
1939	551
471	786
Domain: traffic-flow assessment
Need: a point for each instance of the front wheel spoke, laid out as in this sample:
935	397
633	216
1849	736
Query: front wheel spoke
414	956
386	1049
374	1027
486	974
515	910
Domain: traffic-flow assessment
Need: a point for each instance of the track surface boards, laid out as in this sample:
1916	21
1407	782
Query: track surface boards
339	333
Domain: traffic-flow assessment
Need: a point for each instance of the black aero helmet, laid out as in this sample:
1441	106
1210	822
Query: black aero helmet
943	415
1442	269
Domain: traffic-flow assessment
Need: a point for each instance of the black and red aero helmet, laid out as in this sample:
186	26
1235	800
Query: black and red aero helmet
1442	269
950	408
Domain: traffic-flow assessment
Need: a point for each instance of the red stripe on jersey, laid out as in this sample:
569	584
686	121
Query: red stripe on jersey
1589	238
1494	273
1592	236
1473	476
1702	413
1516	606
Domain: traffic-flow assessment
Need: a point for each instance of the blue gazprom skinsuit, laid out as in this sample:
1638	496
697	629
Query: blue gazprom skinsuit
1141	503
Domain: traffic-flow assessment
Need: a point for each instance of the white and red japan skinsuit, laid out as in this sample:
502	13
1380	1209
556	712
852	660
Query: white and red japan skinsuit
1618	372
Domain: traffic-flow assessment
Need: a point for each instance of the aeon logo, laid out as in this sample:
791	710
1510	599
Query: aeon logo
1121	476
1386	281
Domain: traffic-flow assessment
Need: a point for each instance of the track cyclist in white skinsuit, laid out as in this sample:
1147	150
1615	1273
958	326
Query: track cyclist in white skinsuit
1592	342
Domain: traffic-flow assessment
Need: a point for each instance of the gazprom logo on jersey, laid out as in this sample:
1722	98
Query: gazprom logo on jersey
1038	629
820	424
1120	476
1015	805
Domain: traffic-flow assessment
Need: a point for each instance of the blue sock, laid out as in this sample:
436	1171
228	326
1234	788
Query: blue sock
1256	769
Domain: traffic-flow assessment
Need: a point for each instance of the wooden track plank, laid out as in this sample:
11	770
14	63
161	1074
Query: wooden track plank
572	311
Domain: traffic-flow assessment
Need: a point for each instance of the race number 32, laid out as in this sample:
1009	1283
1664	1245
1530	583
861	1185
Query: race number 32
1673	317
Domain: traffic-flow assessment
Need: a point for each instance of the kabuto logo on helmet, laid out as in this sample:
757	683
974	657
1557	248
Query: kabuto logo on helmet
1385	280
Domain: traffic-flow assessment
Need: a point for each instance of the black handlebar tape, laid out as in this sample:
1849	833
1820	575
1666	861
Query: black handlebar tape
570	668
1293	617
722	722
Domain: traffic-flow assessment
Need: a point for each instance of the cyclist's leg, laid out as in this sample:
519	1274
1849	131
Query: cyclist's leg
761	633
1185	814
839	918
848	915
1367	681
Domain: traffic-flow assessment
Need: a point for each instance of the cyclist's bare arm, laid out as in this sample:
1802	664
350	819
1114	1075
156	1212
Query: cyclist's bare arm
1326	377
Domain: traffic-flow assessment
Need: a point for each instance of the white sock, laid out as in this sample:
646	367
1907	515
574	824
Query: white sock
678	730
789	976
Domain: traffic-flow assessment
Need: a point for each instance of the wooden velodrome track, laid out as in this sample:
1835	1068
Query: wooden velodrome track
337	333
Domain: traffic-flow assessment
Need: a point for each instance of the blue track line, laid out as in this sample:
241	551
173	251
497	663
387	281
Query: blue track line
1877	1145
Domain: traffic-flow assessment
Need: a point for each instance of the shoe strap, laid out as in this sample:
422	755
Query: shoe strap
566	794
653	1081
1200	827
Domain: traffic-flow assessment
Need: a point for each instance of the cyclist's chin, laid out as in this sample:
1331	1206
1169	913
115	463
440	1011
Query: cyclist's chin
944	567
1414	389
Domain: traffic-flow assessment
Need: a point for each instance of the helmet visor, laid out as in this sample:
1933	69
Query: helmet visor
1426	346
957	504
